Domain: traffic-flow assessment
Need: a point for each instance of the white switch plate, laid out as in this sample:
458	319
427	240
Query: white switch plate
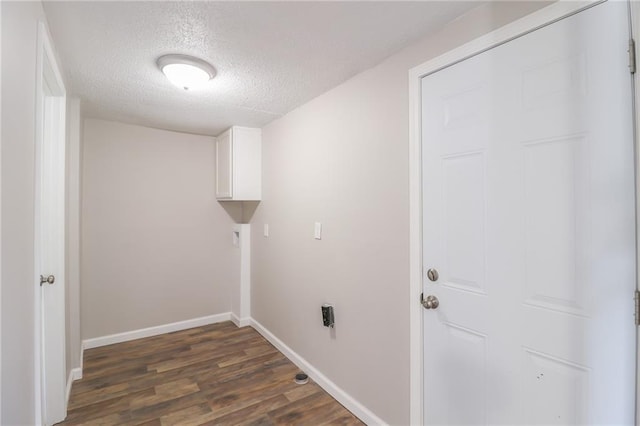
266	230
317	232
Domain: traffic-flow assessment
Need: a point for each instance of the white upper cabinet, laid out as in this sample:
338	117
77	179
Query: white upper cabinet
239	164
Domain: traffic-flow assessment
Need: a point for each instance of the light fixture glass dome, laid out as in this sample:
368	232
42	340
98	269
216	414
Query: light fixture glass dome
186	72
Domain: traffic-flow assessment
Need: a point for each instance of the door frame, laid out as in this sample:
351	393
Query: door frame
635	26
518	28
48	75
0	212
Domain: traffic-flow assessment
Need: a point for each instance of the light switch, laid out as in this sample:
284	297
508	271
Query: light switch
317	232
266	230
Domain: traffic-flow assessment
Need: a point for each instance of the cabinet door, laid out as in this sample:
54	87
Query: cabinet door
224	166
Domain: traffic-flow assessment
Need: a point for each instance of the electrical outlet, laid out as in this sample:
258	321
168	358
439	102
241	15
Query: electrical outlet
328	317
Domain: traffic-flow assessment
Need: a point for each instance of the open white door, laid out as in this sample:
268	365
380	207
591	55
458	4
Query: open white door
529	221
635	26
50	233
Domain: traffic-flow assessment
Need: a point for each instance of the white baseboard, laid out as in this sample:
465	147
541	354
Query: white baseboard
154	331
240	322
74	374
81	358
359	410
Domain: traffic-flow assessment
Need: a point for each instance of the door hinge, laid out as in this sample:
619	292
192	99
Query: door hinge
632	56
636	299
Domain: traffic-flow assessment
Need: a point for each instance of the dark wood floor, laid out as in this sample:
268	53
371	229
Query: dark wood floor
217	374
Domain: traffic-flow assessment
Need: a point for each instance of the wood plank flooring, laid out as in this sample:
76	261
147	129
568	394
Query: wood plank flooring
213	375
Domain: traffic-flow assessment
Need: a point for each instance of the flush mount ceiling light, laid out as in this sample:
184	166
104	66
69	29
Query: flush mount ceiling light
185	71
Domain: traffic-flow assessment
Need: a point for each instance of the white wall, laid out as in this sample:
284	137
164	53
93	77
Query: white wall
19	34
342	159
157	247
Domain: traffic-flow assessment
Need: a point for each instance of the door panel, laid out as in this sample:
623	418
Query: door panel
464	239
555	391
551	209
529	218
51	255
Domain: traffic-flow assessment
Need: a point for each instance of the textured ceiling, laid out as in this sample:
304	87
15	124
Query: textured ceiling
270	56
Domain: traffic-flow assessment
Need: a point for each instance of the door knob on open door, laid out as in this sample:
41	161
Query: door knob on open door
49	280
431	302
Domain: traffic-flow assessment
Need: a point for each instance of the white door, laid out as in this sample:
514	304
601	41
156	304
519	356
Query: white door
529	219
50	232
